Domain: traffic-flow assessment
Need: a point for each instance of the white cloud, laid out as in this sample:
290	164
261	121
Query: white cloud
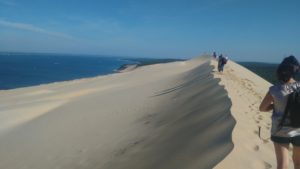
32	28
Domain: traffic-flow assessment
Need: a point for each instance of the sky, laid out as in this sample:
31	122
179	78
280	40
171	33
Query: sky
244	30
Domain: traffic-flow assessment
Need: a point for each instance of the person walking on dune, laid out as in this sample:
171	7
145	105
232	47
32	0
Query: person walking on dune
215	55
283	99
221	63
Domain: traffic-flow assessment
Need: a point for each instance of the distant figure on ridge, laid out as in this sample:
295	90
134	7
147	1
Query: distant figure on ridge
215	55
284	100
221	63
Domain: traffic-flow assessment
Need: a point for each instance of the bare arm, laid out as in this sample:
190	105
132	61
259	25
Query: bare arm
267	103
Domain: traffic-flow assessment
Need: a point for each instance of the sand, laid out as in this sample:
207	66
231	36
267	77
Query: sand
246	90
180	115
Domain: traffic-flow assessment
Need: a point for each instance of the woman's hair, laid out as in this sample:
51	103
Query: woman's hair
287	69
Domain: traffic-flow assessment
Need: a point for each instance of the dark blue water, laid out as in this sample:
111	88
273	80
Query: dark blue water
22	70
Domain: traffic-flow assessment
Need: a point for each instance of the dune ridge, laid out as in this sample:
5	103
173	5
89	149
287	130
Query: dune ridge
173	115
191	132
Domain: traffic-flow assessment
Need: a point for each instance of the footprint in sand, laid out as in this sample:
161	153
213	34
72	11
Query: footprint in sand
256	148
265	141
120	152
267	165
124	150
255	132
148	118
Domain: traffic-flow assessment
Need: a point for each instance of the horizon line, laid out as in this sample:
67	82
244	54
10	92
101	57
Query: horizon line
110	55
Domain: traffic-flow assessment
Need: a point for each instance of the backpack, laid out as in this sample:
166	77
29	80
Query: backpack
292	110
224	60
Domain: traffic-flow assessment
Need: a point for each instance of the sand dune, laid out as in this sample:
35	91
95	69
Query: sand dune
246	91
168	116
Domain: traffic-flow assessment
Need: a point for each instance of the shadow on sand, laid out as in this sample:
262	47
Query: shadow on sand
193	132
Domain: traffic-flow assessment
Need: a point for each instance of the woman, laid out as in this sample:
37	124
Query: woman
220	63
276	100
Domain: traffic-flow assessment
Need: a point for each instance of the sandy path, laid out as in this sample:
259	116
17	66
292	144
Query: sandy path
246	91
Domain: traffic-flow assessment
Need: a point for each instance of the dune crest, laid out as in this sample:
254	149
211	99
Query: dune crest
173	115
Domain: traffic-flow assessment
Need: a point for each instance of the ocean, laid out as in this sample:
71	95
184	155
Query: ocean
23	69
31	69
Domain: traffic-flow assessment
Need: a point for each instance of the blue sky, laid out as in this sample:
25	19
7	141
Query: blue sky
245	30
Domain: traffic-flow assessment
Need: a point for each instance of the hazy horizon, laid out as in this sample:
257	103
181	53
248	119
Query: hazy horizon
126	57
262	31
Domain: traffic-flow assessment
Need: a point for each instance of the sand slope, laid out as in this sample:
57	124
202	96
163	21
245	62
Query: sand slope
168	116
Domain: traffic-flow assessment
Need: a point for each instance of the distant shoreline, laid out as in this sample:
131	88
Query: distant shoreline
144	62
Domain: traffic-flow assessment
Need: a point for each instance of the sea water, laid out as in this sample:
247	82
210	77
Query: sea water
23	69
